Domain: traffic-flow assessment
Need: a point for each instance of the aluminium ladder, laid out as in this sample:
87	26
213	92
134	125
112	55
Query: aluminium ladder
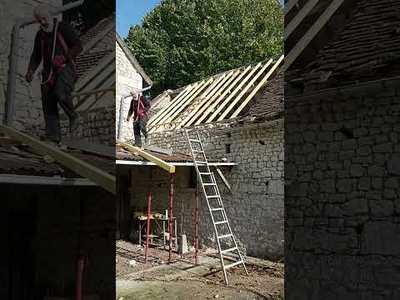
226	241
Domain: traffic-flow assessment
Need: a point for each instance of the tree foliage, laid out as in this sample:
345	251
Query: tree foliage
182	41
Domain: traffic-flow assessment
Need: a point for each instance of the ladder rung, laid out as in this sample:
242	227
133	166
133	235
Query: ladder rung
213	196
233	265
209	184
225	236
205	173
217	209
194	141
221	222
229	250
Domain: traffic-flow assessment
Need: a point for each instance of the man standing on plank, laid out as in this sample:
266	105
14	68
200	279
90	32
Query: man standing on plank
56	46
139	111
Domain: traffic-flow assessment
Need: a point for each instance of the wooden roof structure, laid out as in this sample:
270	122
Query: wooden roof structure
217	98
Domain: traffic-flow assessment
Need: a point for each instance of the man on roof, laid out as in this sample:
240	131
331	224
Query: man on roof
138	110
56	46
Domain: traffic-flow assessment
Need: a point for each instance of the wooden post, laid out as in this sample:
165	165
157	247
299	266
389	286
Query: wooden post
146	249
170	214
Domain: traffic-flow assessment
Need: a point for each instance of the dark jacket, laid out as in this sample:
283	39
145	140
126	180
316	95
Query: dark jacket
42	48
139	108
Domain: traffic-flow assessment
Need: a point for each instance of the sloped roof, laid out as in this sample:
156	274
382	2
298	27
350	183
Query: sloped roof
133	60
89	56
217	98
309	24
367	48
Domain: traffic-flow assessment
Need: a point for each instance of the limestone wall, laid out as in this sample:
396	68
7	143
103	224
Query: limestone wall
342	167
255	206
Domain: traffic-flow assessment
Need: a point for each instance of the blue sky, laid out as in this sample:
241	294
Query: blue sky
131	12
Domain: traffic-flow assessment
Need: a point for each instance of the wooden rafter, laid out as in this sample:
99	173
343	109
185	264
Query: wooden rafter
290	5
208	98
214	100
100	177
305	10
187	103
311	33
257	88
244	91
178	107
203	100
230	97
166	109
159	162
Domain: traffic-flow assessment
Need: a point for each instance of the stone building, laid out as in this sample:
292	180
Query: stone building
28	101
342	153
246	144
51	217
130	77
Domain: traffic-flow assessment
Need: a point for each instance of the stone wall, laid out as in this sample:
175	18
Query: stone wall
28	103
342	169
127	80
255	206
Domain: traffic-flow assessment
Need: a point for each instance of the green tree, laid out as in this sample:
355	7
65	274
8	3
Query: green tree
182	41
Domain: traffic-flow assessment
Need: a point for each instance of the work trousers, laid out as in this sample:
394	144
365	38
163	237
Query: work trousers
58	94
139	127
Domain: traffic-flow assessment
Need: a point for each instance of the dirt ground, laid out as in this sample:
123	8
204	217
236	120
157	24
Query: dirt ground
159	280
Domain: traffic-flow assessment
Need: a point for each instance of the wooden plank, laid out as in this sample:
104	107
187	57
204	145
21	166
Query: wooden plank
244	91
214	100
103	179
196	86
181	105
224	180
184	105
290	5
103	63
159	162
208	98
311	33
204	99
305	10
165	110
257	88
227	100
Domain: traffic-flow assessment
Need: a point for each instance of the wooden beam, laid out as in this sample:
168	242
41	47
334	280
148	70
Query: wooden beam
229	89
159	162
102	64
257	88
228	99
224	180
207	99
166	109
290	5
184	103
244	91
103	179
305	10
295	52
203	100
176	105
217	97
